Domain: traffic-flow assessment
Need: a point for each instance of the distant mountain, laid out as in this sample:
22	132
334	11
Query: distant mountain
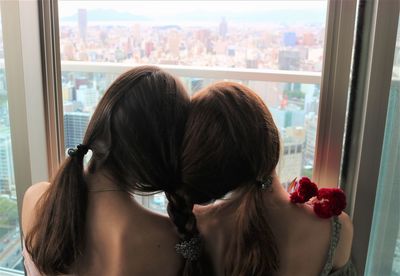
273	16
106	15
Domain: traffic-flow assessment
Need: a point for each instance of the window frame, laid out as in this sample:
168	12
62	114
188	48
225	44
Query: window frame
37	127
22	60
367	120
338	43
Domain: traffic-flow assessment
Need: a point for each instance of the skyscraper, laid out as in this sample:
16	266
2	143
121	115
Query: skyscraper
6	164
289	60
75	124
88	96
223	27
82	22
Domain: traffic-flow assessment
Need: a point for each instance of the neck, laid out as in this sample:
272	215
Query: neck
100	181
277	194
273	196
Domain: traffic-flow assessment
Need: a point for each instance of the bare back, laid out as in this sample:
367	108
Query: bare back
122	238
302	238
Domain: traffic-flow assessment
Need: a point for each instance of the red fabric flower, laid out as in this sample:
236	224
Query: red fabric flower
330	202
327	202
304	190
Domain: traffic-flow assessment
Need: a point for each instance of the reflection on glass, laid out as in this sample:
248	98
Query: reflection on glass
10	243
384	246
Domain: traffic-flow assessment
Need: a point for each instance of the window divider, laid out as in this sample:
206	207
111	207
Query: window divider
334	91
51	77
23	77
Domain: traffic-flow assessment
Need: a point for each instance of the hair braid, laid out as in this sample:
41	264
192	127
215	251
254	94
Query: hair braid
180	210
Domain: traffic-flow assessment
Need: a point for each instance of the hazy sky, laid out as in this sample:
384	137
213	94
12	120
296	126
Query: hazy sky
155	8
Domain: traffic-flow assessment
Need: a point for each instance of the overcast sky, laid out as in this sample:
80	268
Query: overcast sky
156	8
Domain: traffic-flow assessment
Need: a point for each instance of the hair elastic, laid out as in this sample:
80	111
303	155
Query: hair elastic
80	150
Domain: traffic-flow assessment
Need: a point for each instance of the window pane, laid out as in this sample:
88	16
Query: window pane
10	243
295	116
283	35
251	37
384	246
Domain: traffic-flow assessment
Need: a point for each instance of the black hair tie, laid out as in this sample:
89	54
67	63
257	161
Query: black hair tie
80	150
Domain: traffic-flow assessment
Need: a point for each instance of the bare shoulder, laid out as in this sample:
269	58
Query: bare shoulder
31	197
158	239
343	250
213	218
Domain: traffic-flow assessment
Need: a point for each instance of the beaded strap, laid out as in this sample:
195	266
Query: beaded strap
335	236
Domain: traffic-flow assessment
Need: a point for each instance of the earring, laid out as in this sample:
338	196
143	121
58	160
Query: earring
266	184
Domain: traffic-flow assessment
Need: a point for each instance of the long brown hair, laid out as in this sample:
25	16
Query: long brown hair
232	143
135	134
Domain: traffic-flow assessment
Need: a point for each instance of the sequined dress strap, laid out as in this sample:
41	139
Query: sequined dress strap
335	236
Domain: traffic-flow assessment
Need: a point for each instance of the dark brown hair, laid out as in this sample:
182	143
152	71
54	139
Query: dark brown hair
135	134
231	143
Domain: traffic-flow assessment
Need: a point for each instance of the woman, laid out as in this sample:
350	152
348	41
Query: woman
86	221
232	145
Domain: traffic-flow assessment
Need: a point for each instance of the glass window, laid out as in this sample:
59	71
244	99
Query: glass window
244	36
384	246
10	243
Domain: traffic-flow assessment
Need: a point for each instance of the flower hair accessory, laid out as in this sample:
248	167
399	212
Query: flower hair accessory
326	202
189	249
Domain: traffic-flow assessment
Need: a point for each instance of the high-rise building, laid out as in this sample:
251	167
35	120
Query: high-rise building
88	96
82	23
289	39
285	118
220	47
311	136
75	124
309	39
6	164
291	162
173	42
289	60
223	28
3	90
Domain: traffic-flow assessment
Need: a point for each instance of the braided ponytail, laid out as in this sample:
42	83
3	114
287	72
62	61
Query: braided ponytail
180	210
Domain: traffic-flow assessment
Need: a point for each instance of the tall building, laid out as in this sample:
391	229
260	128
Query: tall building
82	23
270	92
289	60
309	39
75	124
289	39
311	136
223	28
285	118
3	90
88	96
173	43
6	164
291	162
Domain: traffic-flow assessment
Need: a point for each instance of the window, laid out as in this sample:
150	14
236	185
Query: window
203	42
10	243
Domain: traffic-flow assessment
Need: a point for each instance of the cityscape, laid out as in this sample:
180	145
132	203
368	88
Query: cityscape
282	39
